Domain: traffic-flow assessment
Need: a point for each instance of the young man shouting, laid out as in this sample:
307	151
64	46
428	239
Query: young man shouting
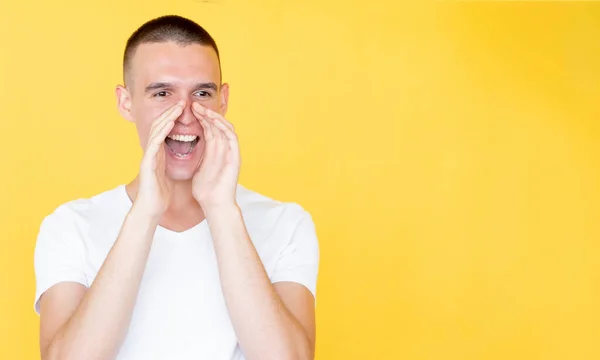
182	262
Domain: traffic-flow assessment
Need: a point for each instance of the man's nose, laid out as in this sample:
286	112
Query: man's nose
187	116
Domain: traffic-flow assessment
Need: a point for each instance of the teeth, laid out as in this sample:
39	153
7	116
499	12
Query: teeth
185	138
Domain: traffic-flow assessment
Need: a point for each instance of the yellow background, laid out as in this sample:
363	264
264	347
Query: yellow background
448	153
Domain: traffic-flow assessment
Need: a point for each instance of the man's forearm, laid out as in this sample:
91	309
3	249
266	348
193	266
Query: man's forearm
264	327
98	326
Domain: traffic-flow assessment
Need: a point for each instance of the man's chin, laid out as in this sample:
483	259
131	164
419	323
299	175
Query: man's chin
180	174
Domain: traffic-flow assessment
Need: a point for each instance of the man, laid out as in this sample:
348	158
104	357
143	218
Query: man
182	262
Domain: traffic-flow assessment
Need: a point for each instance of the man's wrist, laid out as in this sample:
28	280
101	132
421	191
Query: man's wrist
222	211
142	218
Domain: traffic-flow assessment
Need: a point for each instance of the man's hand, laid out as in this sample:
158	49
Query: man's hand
265	325
82	323
154	192
214	184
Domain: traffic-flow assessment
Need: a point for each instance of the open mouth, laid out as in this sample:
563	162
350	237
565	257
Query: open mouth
181	145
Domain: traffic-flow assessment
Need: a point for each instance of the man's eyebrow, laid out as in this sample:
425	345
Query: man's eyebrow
157	85
207	85
165	85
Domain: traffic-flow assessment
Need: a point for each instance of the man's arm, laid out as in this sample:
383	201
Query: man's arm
78	324
270	321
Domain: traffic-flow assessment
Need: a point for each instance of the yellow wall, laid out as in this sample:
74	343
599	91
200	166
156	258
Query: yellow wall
449	154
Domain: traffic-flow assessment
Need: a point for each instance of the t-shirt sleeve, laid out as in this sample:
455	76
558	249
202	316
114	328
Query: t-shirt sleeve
58	254
299	261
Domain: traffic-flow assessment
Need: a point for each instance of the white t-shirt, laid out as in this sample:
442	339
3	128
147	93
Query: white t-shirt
180	312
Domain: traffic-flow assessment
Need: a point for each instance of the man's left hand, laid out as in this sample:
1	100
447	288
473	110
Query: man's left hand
214	183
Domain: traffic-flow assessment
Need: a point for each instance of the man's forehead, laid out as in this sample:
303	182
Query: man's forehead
159	61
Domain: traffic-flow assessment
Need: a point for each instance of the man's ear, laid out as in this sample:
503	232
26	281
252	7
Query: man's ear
224	98
124	102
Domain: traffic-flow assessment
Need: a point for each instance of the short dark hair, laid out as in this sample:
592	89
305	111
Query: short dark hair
167	28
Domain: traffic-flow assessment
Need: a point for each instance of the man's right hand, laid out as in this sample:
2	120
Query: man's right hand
154	188
77	322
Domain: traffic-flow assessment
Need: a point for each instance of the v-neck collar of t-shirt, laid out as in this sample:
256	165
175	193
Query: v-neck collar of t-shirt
160	230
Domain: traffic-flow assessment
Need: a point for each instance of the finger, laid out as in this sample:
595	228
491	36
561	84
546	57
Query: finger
227	131
216	157
232	140
168	116
210	162
215	115
199	112
159	138
218	130
155	153
221	146
199	109
160	132
162	129
208	133
216	133
196	107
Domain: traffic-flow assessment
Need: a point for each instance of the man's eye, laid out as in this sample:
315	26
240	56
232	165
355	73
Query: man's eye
161	94
203	94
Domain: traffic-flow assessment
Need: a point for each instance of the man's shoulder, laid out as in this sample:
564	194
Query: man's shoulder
262	209
86	209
